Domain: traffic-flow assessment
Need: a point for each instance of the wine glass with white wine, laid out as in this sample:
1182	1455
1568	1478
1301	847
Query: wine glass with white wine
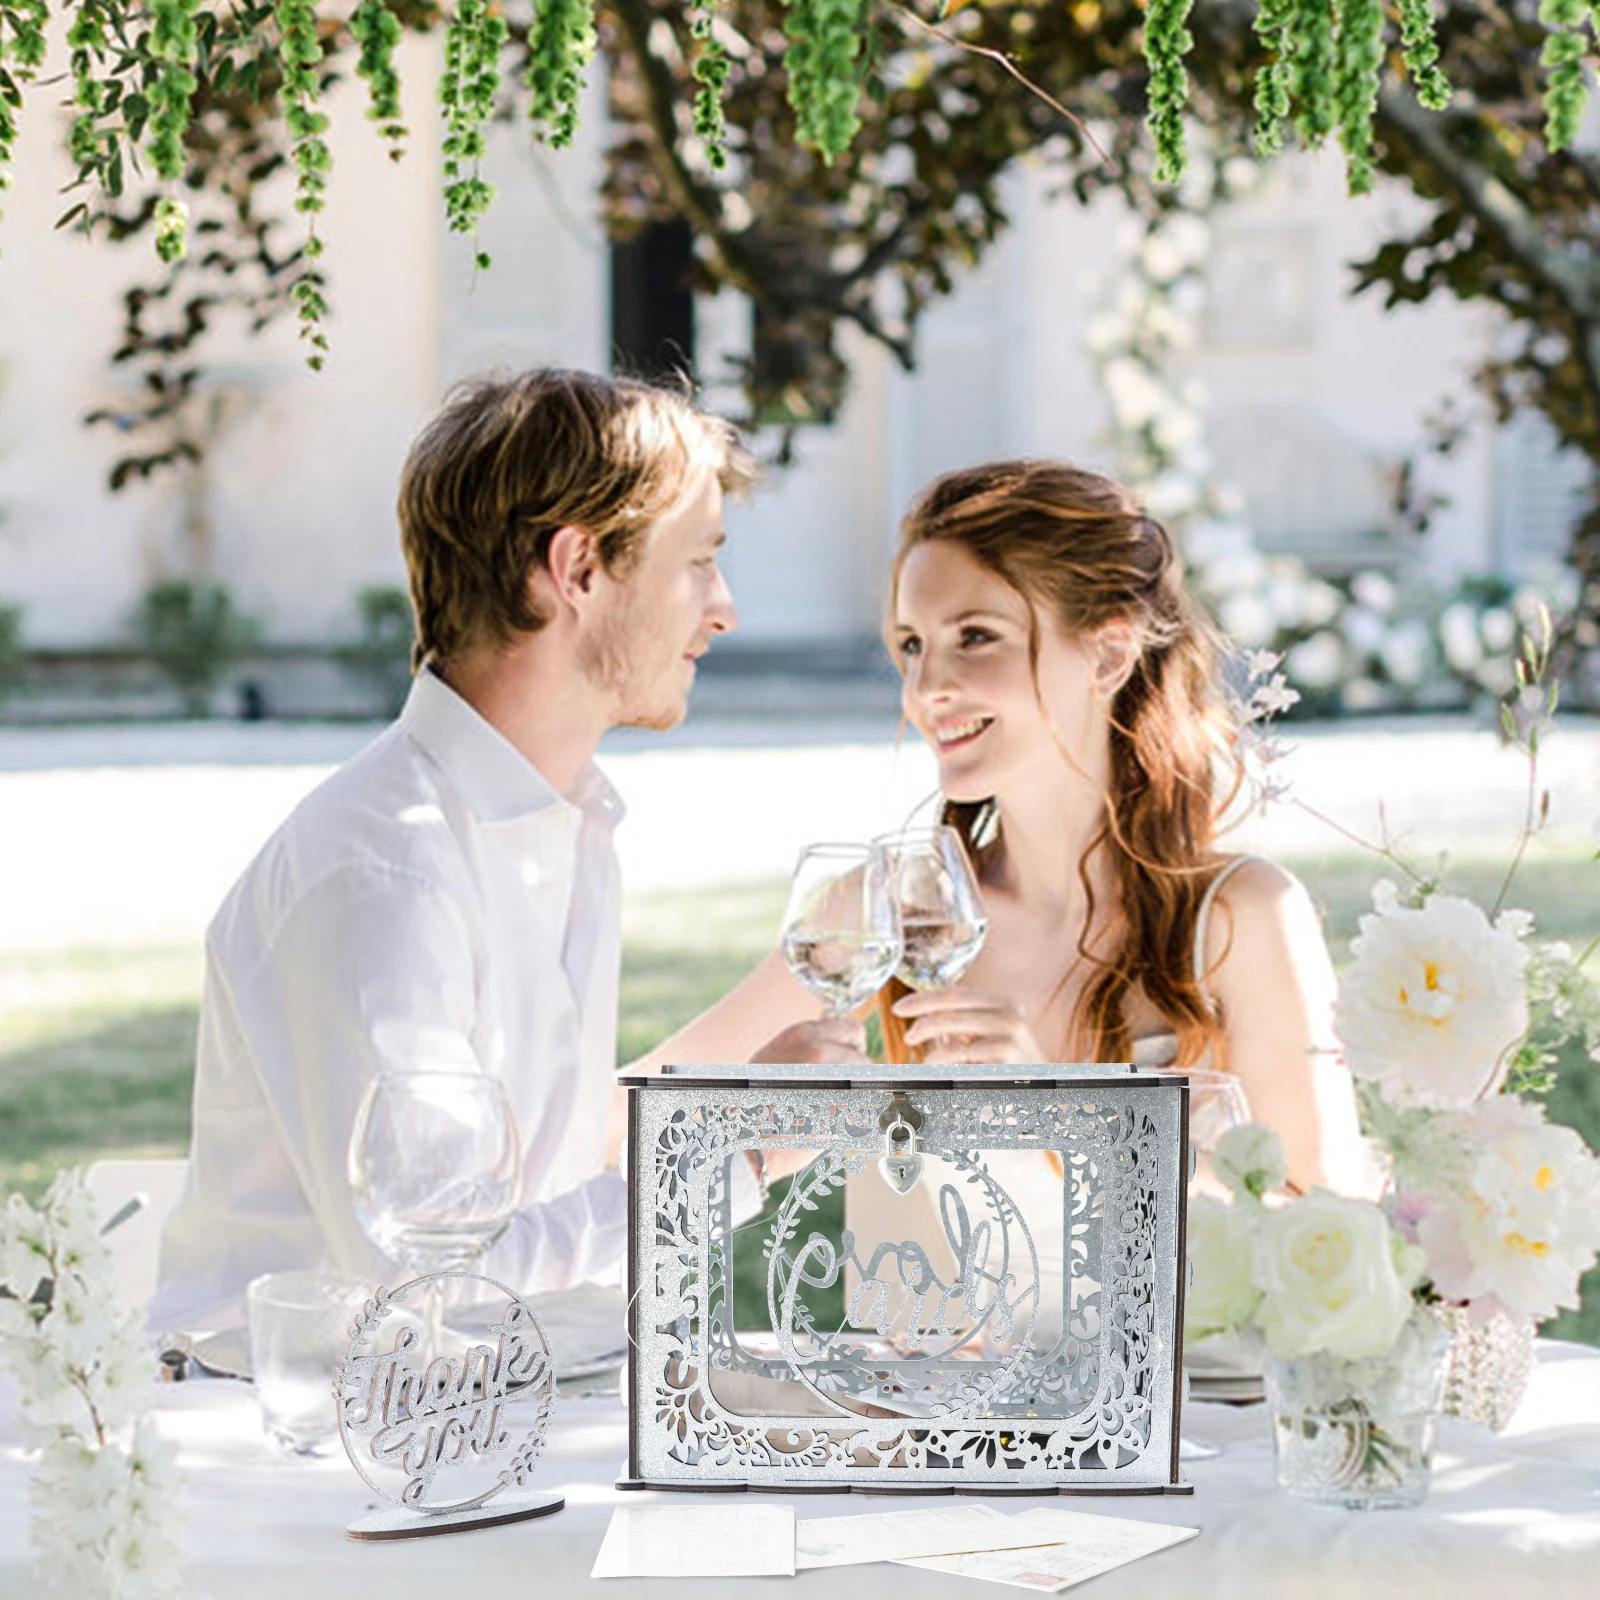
841	931
942	921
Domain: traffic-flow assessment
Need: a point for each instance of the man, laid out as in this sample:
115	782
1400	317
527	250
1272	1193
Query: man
449	898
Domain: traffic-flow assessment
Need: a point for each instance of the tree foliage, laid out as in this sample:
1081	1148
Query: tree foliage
840	161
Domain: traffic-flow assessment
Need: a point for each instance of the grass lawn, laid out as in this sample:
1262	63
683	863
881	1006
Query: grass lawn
97	1046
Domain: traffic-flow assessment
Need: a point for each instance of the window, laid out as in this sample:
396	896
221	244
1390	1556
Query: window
652	304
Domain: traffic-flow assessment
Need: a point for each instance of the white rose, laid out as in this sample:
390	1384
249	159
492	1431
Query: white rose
1525	1225
1222	1293
1250	1160
1333	1276
1435	999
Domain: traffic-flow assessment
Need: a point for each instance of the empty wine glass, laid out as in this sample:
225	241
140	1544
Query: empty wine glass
942	923
841	931
435	1166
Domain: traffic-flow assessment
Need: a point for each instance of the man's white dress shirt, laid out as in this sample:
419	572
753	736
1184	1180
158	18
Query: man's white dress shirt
434	903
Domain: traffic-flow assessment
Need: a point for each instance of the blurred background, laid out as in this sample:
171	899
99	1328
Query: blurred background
201	602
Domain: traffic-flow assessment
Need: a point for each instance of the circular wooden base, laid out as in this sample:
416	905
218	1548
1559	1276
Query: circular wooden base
398	1523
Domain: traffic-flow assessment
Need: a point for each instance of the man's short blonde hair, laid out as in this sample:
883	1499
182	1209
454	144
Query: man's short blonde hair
509	461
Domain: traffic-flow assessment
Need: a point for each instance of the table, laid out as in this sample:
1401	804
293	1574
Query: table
1510	1515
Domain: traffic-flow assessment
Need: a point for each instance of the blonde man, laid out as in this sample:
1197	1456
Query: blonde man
449	898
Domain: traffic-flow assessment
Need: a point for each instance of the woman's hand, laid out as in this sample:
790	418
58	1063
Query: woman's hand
962	1026
824	1041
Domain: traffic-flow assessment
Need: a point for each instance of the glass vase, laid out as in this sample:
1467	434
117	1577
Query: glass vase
1359	1434
1490	1363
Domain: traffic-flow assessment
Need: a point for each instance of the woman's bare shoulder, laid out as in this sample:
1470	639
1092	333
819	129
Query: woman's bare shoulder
1258	906
1253	883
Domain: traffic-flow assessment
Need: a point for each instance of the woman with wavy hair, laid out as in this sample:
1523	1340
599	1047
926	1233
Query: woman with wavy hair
1069	689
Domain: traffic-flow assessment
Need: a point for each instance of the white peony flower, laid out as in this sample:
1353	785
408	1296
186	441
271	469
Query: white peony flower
1525	1226
1435	999
1222	1293
1333	1276
1250	1160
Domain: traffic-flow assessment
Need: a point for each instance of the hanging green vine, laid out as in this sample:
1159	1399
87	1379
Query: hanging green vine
174	44
560	45
711	67
376	31
1316	110
300	61
145	75
467	90
22	51
1419	35
825	74
1274	28
1358	61
1566	89
1166	42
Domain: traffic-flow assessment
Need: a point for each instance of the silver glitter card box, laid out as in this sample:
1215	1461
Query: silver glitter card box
970	1284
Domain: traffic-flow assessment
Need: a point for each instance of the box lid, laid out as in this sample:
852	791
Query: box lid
871	1075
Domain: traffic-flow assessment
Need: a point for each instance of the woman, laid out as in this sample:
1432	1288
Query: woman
1055	664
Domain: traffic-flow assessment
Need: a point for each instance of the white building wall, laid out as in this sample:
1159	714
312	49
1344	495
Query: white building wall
299	494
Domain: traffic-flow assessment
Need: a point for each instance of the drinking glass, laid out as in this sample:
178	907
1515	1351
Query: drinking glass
942	922
435	1165
841	931
298	1327
1217	1103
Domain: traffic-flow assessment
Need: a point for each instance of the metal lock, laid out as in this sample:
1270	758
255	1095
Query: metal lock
900	1163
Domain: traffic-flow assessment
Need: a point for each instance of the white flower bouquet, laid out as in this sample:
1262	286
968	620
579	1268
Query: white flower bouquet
1333	1292
104	1495
1451	1019
1448	1022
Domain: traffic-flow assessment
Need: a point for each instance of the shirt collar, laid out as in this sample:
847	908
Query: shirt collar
498	783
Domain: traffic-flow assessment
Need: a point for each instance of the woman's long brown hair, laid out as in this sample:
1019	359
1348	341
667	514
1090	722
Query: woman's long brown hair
1078	547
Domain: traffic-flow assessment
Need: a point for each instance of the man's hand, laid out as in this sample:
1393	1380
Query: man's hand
825	1041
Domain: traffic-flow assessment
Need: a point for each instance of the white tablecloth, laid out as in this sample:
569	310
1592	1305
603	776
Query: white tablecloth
1508	1516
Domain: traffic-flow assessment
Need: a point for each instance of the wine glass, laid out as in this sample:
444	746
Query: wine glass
942	922
841	931
1217	1103
435	1165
